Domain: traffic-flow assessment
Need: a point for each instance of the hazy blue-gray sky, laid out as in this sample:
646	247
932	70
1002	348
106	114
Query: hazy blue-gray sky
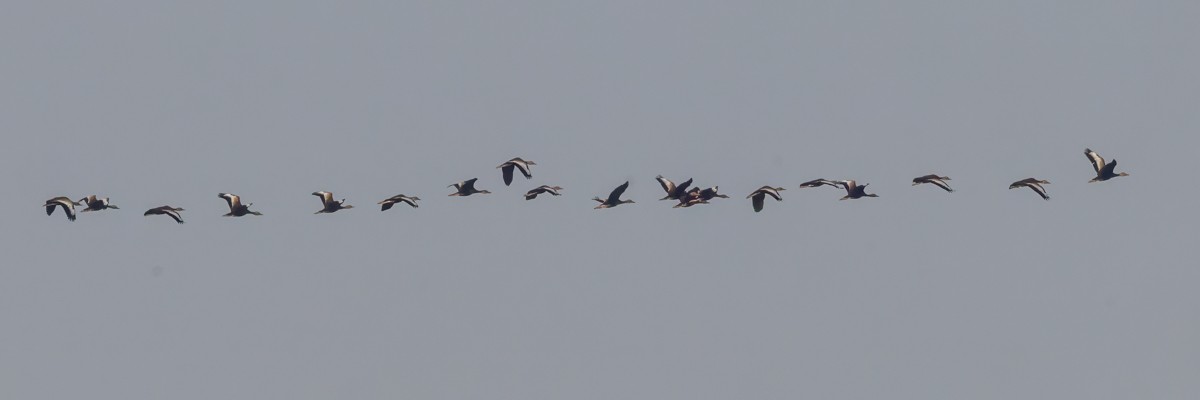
986	293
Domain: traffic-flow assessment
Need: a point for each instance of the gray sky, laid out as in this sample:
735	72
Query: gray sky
986	293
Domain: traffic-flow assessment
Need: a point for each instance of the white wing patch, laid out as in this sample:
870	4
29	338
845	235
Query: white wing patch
1097	161
326	197
667	185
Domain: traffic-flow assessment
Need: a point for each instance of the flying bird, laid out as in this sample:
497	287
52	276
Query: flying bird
328	205
939	181
400	198
853	191
699	196
95	204
614	198
674	192
756	197
518	163
65	203
711	193
166	210
533	193
236	208
466	188
822	182
1104	171
1032	183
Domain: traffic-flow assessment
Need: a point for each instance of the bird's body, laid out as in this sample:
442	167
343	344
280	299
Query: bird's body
166	210
328	205
65	203
1104	171
1034	184
822	182
400	198
506	169
853	191
674	192
691	198
614	198
939	181
756	197
533	193
699	196
466	188
236	208
92	203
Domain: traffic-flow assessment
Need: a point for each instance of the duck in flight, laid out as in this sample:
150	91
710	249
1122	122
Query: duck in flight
166	210
236	208
1104	171
821	182
533	193
96	204
328	205
939	181
756	197
853	191
65	203
674	192
1032	183
699	196
614	198
466	188
400	198
517	163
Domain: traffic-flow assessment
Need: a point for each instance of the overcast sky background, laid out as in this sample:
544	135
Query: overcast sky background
986	293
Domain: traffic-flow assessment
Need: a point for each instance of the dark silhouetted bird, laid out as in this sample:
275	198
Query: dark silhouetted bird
1032	183
533	193
939	181
96	204
756	197
65	203
853	191
236	208
400	198
466	188
674	192
328	205
507	169
821	182
614	198
1104	171
166	210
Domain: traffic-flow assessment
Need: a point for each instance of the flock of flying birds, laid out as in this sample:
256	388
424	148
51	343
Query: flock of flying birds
683	193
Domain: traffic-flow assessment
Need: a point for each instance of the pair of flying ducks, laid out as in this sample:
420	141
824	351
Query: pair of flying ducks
1104	171
90	203
686	196
853	190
